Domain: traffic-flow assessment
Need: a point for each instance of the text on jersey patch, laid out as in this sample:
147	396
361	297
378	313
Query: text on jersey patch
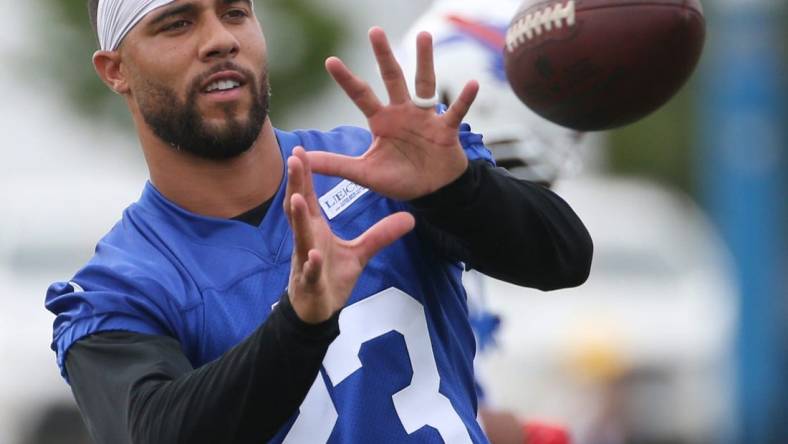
340	197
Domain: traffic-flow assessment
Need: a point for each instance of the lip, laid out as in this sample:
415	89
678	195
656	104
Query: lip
224	75
230	95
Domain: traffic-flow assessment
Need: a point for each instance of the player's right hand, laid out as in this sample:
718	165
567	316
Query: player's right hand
414	151
325	268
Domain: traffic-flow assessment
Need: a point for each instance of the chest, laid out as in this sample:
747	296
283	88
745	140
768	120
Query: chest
233	310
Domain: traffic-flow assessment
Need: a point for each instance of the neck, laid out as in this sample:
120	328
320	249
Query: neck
221	189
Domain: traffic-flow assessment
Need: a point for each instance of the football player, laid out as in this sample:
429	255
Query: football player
243	299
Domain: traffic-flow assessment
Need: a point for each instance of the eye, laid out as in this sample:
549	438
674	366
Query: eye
175	26
236	14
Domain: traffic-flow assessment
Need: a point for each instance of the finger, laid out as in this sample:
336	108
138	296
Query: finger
303	237
425	66
308	187
382	234
294	182
356	89
313	267
331	164
457	111
390	70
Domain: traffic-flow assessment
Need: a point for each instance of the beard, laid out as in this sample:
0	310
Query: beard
179	123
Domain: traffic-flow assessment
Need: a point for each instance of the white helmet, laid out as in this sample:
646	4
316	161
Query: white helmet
469	37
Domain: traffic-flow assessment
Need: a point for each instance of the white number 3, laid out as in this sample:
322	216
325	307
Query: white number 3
417	405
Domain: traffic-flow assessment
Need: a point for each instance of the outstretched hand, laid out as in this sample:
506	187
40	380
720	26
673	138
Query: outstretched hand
325	268
414	150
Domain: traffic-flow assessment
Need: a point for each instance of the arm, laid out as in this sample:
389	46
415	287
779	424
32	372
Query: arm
504	227
140	388
507	228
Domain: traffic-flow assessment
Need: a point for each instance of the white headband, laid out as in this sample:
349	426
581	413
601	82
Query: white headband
117	17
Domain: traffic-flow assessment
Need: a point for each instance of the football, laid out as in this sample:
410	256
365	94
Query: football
598	64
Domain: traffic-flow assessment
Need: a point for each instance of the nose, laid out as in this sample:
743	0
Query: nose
218	41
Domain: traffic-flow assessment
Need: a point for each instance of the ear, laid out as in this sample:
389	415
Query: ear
107	65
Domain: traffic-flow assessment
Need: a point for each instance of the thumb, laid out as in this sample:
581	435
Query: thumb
383	234
330	164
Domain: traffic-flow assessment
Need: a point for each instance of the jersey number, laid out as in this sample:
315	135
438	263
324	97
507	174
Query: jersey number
417	405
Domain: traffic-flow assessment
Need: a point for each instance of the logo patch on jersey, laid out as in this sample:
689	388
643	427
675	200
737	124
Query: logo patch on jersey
340	197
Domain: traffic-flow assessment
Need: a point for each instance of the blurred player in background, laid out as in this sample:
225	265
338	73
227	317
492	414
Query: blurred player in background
468	37
638	355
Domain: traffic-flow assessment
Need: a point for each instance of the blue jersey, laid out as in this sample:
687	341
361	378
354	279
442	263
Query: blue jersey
401	369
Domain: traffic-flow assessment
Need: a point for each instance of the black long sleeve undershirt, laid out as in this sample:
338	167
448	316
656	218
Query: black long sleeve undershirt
507	228
138	388
142	389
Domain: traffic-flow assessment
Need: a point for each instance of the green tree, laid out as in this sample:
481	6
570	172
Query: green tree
660	146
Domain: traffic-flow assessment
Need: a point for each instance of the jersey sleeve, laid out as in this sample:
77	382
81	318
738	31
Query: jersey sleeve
472	143
102	298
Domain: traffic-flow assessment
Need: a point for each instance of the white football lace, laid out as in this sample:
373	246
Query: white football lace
533	24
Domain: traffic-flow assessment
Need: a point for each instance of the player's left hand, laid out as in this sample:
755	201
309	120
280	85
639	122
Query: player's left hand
414	150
